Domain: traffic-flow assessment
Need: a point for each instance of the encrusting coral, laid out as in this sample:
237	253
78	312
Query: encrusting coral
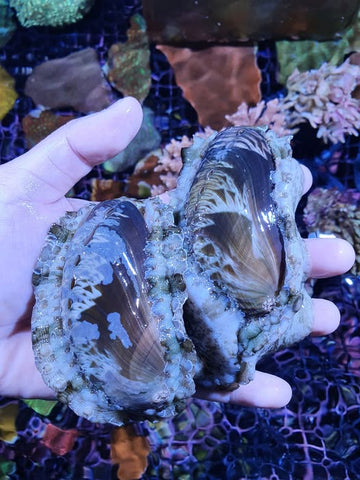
322	97
73	81
8	94
38	124
309	54
49	12
128	64
206	74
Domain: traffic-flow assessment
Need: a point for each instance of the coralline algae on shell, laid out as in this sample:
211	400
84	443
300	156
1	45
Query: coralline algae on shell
140	302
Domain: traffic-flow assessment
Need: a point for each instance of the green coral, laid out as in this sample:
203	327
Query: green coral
128	64
52	13
44	407
7	24
307	55
7	467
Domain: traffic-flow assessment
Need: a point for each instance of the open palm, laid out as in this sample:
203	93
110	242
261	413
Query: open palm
32	189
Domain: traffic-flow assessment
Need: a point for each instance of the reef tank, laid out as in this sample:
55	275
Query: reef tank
265	82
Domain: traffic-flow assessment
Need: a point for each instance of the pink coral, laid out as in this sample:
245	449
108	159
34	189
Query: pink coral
323	97
169	165
261	114
170	161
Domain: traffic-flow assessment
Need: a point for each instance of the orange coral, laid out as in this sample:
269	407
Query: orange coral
130	450
37	128
216	80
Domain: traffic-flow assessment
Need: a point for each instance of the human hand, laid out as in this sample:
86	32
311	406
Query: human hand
32	189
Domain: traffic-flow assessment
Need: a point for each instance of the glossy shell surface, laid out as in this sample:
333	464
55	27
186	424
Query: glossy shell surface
107	325
138	303
246	261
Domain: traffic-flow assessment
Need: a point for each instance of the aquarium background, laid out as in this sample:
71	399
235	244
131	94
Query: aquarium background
316	436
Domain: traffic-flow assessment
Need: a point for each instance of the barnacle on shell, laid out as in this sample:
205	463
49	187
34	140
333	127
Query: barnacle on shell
139	302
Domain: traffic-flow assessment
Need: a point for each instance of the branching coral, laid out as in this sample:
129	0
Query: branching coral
170	162
323	97
262	113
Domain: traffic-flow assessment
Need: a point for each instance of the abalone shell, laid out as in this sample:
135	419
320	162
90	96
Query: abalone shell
140	302
107	330
247	263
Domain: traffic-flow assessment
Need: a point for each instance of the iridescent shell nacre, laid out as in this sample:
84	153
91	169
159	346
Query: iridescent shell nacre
138	303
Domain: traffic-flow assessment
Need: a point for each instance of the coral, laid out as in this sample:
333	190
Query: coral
307	55
73	81
59	441
7	24
130	451
49	12
39	124
128	64
269	113
215	79
102	189
8	94
44	407
324	97
8	414
169	162
156	173
331	212
169	165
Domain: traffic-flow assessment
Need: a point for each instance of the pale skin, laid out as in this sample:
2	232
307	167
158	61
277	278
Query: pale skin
32	189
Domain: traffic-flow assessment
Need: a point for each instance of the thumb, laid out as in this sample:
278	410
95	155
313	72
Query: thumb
50	169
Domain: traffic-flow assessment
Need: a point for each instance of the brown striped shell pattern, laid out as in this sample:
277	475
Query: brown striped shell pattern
138	303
